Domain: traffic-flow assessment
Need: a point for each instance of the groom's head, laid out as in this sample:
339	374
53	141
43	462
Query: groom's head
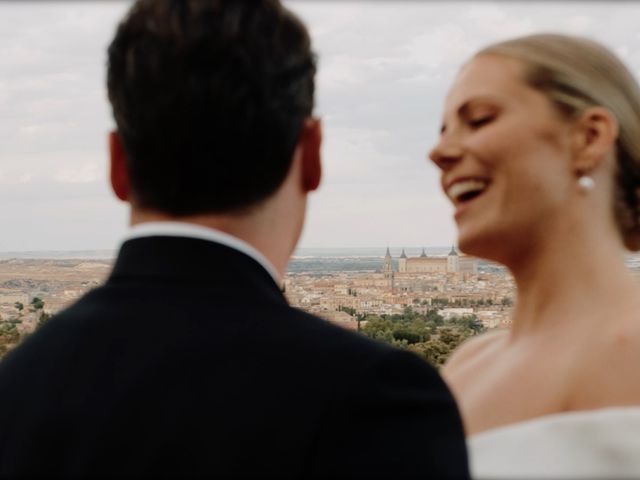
212	101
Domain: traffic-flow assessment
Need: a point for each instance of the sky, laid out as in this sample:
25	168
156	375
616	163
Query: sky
384	70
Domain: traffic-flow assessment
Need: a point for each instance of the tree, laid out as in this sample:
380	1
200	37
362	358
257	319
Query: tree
506	301
349	310
37	307
428	334
9	336
360	317
44	316
19	307
378	328
433	351
434	317
440	301
451	336
36	304
412	331
408	312
468	323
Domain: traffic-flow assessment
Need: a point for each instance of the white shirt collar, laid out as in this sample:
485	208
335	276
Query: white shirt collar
190	230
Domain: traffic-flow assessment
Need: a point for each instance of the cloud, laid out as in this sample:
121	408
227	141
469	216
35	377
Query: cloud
385	68
87	173
578	24
52	129
25	178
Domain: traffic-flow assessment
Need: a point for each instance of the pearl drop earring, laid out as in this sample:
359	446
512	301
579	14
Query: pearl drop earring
586	183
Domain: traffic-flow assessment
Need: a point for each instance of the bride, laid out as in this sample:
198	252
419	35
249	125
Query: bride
539	153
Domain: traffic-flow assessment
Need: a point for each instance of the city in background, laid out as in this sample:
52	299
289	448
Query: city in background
384	70
428	300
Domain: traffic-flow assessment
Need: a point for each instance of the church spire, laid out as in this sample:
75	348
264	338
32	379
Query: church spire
387	265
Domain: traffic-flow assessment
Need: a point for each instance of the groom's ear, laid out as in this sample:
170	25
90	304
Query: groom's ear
310	142
118	173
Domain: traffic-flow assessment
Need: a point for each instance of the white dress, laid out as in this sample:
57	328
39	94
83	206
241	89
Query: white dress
602	443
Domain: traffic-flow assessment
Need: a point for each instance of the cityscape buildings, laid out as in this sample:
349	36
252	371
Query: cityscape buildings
453	284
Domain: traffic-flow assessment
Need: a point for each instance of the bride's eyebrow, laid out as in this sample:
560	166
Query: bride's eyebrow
462	111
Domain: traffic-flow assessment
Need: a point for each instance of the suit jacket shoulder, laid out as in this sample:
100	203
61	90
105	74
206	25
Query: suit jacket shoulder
189	362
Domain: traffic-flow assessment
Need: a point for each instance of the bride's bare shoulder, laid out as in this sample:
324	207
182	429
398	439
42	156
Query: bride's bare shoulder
472	349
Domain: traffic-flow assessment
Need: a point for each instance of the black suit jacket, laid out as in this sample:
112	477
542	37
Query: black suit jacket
189	362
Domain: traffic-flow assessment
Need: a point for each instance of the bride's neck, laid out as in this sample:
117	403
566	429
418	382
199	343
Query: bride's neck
567	280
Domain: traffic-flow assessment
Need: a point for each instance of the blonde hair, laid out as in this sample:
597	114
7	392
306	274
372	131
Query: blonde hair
575	74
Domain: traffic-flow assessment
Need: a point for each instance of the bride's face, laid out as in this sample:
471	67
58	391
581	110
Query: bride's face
505	158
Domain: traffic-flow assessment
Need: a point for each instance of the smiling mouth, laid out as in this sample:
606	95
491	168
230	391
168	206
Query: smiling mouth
465	191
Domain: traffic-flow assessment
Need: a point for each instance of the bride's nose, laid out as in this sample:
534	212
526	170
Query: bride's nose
446	153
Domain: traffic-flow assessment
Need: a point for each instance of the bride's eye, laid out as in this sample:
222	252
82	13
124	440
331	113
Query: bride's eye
480	121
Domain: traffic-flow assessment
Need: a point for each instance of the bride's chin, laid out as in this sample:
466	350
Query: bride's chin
481	245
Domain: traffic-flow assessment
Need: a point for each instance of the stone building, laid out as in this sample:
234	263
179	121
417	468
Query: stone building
427	264
387	269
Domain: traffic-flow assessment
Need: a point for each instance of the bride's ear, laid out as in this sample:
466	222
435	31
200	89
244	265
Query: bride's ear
595	135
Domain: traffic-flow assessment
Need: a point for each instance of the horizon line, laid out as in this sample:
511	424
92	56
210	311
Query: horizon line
53	250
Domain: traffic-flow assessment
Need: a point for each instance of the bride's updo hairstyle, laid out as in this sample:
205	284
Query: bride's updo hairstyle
575	74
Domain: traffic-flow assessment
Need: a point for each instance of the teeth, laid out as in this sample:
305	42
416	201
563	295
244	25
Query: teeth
458	189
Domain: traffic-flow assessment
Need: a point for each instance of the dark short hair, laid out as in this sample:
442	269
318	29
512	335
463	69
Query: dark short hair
209	99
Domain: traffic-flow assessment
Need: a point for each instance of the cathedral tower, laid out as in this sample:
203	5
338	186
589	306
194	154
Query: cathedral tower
452	261
387	269
402	263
